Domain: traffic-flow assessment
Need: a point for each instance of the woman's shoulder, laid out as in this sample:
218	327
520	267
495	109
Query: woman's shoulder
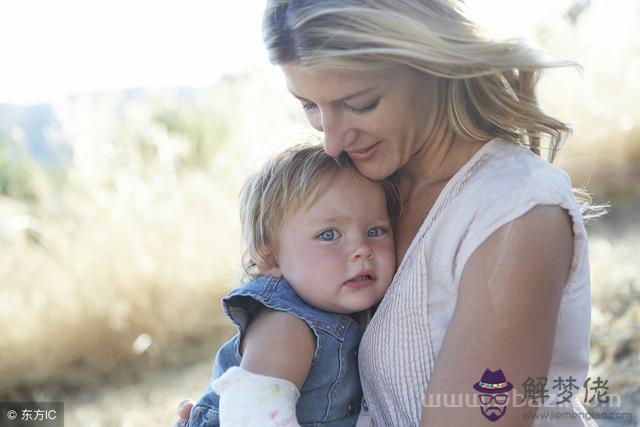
504	175
509	166
504	182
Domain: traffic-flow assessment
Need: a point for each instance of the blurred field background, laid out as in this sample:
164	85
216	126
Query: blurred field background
119	233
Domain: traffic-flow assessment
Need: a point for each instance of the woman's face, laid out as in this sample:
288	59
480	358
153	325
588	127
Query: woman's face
379	118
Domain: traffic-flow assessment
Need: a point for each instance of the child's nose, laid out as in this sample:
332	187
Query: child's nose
362	251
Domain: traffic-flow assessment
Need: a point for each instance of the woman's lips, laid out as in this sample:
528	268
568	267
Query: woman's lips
363	154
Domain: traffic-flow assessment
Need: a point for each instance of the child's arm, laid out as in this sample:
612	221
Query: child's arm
280	345
277	350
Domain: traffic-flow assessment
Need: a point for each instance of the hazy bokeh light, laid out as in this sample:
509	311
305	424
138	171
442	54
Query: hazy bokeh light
55	48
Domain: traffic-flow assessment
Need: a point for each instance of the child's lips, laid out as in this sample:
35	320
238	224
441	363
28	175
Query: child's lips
361	280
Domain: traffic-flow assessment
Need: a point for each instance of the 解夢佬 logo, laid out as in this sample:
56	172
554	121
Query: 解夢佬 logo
493	388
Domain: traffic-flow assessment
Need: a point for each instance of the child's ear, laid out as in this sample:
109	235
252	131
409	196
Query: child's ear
269	266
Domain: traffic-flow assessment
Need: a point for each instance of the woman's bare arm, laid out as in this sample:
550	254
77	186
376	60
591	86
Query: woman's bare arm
505	317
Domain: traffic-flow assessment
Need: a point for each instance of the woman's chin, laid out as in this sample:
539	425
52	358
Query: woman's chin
372	170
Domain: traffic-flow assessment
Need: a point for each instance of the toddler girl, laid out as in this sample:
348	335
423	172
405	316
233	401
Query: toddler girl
319	249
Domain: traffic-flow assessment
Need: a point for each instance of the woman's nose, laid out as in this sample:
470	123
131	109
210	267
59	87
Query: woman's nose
338	135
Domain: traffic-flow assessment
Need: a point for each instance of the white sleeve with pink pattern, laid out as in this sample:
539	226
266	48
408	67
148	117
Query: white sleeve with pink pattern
252	400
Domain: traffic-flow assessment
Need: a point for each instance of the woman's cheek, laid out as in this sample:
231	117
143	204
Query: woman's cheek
314	119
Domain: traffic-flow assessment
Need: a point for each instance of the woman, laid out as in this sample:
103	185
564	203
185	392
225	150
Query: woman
492	290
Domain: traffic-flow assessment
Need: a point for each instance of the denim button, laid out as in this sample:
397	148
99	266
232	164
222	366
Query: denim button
350	409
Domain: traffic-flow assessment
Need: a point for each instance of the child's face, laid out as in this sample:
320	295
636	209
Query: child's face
338	254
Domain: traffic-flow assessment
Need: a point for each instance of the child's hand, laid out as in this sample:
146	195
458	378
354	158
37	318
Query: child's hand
184	411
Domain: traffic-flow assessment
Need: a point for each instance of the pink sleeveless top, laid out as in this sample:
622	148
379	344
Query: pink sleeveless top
500	183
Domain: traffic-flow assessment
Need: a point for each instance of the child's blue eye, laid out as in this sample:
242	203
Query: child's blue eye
328	235
375	232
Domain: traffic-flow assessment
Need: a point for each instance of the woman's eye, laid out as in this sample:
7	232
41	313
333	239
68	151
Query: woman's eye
308	107
375	232
328	235
365	109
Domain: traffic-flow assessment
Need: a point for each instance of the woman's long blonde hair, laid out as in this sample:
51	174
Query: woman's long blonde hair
487	85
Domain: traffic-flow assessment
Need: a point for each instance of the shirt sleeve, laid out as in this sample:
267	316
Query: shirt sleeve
252	400
511	202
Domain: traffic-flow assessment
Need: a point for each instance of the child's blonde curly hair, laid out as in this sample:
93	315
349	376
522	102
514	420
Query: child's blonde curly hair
285	183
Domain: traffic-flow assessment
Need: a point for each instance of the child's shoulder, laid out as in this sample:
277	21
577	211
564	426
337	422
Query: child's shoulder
244	303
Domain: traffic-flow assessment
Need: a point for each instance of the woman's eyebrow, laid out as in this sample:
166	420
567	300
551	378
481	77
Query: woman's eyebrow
344	98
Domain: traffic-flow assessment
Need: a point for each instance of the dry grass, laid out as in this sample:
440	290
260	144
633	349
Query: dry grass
616	308
125	262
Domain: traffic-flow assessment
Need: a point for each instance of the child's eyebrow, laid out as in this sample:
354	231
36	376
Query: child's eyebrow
339	218
345	218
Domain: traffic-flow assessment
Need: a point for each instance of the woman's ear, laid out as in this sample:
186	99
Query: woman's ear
269	265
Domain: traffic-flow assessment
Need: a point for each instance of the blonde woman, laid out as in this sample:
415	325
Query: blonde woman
491	300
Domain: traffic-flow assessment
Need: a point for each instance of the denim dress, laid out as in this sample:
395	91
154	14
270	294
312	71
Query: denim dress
331	394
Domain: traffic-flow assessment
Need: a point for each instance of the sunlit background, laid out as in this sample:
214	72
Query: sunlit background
56	48
126	129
